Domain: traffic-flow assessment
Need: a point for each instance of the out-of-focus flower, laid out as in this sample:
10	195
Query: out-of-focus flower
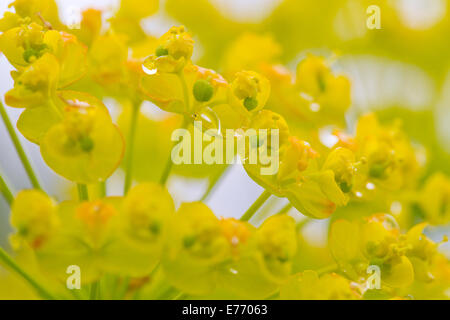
435	199
308	285
34	216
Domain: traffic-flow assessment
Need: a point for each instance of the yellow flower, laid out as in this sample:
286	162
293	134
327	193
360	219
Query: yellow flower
374	241
136	9
35	86
265	261
34	216
250	51
90	26
250	91
296	158
173	53
391	159
309	286
85	146
331	93
195	249
435	199
147	208
95	217
40	11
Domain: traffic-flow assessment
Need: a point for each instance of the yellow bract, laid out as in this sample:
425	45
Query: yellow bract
86	147
435	199
265	259
34	216
36	85
174	52
309	286
377	241
250	51
391	159
40	11
197	248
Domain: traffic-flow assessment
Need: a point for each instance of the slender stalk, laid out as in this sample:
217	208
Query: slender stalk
300	225
285	209
213	183
130	146
102	188
6	191
180	296
9	262
255	206
93	295
19	149
169	162
82	192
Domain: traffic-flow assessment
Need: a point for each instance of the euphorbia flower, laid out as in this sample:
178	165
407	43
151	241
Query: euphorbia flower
308	285
34	216
196	249
435	199
266	260
85	146
391	160
375	241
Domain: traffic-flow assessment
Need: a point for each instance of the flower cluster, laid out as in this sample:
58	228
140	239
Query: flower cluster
370	182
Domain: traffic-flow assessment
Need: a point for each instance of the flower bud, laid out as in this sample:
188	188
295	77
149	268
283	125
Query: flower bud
179	43
245	85
203	90
250	103
340	161
161	51
86	144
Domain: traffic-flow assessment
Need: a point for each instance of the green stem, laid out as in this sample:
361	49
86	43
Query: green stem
103	190
83	192
6	191
180	296
285	209
93	295
9	262
300	225
255	206
19	149
130	147
213	183
169	162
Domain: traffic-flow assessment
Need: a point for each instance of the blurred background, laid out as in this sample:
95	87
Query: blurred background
400	70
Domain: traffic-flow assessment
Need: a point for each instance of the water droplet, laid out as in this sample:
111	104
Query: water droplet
370	186
148	71
314	107
233	271
396	208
